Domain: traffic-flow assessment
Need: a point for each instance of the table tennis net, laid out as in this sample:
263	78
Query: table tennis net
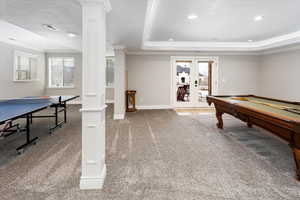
29	100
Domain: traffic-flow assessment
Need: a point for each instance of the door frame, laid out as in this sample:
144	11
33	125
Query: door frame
214	77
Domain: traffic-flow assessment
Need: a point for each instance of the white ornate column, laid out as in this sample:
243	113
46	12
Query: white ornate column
119	84
93	93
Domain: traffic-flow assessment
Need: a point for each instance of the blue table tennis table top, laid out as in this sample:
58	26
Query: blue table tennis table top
14	108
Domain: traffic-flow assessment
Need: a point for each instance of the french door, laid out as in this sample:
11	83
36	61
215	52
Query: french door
192	81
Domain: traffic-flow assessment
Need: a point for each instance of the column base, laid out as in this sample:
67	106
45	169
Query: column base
119	116
93	182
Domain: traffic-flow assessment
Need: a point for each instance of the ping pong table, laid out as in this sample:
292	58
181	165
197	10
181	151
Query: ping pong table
13	109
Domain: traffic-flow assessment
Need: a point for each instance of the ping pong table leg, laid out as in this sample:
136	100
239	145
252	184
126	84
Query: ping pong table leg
56	115
57	124
29	141
65	112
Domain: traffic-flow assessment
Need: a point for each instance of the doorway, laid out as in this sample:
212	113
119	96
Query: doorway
193	79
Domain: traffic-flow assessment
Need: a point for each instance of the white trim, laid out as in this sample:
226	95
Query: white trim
191	53
281	49
106	3
25	54
275	42
28	56
49	70
194	59
119	116
58	88
90	95
119	47
62	51
154	107
109	101
90	183
100	109
26	81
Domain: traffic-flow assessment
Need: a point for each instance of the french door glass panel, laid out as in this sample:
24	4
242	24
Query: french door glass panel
203	81
183	81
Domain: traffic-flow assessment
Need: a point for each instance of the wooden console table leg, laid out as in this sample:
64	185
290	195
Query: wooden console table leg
220	119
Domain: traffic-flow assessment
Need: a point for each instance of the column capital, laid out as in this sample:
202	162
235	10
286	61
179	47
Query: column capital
106	3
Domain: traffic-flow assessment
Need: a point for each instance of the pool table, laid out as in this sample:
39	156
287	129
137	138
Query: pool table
281	118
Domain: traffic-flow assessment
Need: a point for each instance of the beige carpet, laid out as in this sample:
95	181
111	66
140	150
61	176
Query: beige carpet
194	111
154	155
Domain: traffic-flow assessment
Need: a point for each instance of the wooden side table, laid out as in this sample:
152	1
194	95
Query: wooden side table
130	101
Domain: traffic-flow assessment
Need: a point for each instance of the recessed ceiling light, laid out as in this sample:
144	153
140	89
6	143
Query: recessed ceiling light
50	27
71	34
192	16
250	40
258	18
171	40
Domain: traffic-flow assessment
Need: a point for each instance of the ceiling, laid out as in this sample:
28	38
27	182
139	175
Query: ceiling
32	14
224	21
149	24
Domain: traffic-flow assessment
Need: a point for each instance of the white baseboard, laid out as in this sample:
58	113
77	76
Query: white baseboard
119	116
155	107
93	183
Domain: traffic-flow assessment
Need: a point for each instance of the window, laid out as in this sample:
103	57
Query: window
109	72
61	72
25	67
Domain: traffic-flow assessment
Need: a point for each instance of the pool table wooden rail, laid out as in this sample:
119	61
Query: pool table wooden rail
284	127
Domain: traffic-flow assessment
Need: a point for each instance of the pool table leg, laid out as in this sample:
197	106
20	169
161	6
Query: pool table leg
220	119
249	124
295	145
296	152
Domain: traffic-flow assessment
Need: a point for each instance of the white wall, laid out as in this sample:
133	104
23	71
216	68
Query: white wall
280	75
150	75
238	75
119	84
77	79
9	88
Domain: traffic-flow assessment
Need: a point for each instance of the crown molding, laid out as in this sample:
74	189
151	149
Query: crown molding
275	42
191	53
281	50
106	3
